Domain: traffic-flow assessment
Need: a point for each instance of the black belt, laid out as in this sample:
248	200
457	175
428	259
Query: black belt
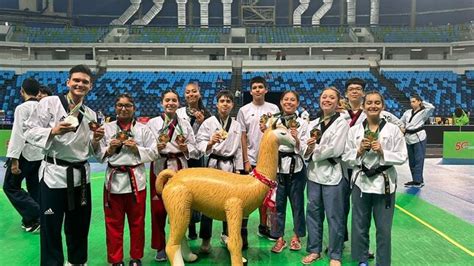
70	179
413	131
293	156
173	156
381	170
333	161
220	158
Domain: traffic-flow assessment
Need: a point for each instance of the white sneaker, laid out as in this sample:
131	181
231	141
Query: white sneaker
224	239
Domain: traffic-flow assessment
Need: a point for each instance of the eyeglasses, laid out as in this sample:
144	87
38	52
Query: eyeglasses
126	105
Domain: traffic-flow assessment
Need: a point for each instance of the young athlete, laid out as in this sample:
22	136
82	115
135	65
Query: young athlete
372	149
291	174
176	145
415	137
327	137
219	138
126	147
354	114
60	126
24	161
195	113
249	117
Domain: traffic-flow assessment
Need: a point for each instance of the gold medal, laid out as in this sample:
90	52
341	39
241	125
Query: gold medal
93	125
315	133
163	138
371	136
293	124
180	139
224	134
122	136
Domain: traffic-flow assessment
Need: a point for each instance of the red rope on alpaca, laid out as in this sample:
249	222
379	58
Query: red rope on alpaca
269	201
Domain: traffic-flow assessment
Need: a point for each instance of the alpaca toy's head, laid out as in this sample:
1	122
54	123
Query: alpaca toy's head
281	133
284	137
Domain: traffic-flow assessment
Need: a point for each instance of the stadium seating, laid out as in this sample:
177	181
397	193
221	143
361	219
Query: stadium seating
8	93
470	75
299	35
58	34
309	84
323	34
450	33
176	35
145	87
445	89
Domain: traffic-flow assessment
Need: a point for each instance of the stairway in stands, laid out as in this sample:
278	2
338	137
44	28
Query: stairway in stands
391	88
432	150
236	84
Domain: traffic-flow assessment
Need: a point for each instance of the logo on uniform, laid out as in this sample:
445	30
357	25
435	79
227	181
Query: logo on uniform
48	212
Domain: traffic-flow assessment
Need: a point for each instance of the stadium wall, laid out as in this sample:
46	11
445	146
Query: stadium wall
306	65
169	65
22	66
457	66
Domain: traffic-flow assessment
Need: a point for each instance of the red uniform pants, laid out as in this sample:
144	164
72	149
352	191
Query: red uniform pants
118	206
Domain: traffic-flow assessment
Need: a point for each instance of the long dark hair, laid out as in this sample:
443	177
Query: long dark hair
201	106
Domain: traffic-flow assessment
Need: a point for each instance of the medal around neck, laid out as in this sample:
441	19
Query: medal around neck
72	120
371	136
293	124
122	136
315	133
224	134
163	137
93	125
180	139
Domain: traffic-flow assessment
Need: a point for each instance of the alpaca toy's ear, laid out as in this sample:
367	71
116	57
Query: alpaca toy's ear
273	122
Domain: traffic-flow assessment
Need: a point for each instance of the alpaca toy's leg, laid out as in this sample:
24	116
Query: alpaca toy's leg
177	201
233	211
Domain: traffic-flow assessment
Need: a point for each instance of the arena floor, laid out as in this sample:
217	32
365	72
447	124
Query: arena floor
432	226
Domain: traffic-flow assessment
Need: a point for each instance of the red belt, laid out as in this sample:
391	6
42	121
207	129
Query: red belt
131	175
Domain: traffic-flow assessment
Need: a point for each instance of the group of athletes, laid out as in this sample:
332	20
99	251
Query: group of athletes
349	148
